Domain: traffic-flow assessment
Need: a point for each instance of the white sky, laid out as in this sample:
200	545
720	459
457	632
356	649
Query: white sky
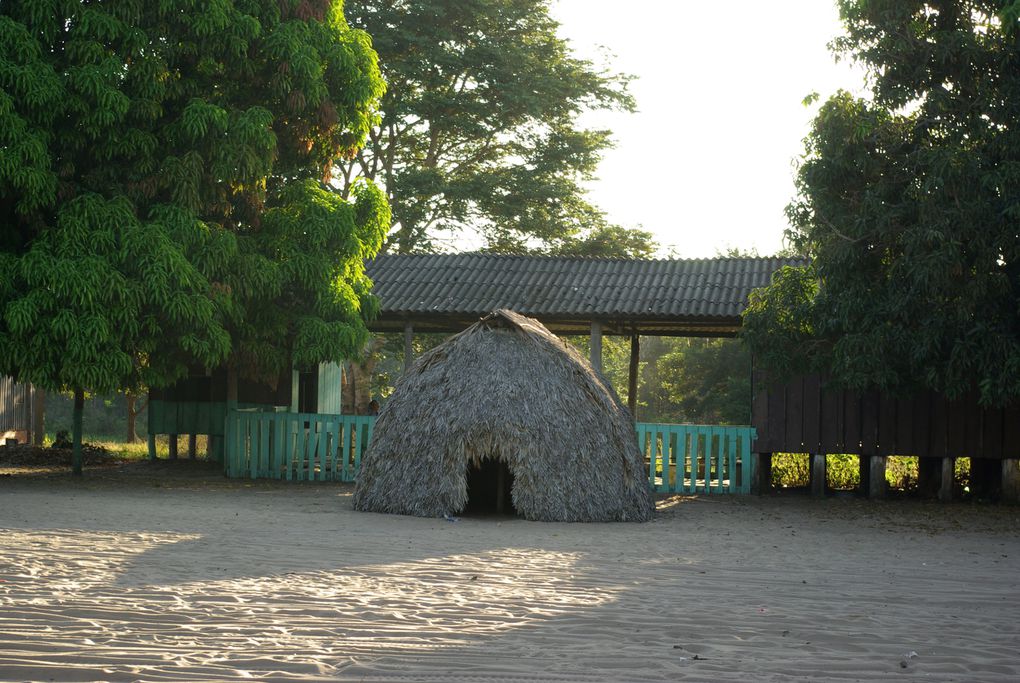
708	161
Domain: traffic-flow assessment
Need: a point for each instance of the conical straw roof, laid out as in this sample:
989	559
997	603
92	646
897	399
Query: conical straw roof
509	389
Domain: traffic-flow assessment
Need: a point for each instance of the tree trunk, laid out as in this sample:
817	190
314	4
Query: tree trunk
358	379
79	410
132	414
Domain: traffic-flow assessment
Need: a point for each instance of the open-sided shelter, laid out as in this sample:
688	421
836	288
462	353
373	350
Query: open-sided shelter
505	407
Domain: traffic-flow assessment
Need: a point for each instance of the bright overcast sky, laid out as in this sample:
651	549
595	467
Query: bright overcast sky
708	161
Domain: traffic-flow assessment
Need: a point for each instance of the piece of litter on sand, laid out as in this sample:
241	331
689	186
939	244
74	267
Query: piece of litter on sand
451	518
905	662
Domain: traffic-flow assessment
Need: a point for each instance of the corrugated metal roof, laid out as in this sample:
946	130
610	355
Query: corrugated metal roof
465	285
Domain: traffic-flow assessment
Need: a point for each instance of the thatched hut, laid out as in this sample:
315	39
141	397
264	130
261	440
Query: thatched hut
507	411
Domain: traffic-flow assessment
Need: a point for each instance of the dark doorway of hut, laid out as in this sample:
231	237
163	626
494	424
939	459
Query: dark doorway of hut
489	487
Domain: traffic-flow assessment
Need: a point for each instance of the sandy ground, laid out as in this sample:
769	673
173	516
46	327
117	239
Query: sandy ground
137	579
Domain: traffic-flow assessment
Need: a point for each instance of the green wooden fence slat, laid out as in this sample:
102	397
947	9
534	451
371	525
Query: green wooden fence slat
746	467
681	459
320	427
277	452
652	446
288	448
720	454
332	427
731	466
263	423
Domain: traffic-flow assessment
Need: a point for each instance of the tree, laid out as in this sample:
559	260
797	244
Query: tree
478	124
608	241
163	173
707	381
909	206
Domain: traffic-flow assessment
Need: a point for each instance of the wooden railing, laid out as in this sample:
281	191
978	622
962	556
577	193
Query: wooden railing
697	458
299	446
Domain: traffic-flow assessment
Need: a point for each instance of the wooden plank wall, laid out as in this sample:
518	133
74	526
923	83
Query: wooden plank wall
15	406
805	416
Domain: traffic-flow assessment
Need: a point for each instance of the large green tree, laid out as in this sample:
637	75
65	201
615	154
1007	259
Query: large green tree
164	190
909	206
479	123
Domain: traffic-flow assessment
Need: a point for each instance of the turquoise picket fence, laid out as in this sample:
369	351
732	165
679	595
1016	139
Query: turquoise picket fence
298	446
697	458
318	447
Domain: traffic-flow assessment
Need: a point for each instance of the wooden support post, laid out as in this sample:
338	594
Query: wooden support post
984	476
596	345
192	446
818	475
1010	490
864	472
761	473
876	477
152	446
214	448
928	476
38	415
947	479
408	349
172	447
500	485
632	378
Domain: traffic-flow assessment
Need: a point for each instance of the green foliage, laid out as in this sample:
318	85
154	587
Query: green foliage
909	206
163	171
705	381
607	241
479	123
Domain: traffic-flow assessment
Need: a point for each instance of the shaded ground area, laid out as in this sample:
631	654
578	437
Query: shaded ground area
167	571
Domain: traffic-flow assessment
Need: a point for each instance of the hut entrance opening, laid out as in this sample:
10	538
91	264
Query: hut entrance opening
489	486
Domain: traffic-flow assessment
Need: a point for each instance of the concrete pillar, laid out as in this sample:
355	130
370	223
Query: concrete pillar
152	446
192	446
876	477
761	473
1010	480
818	475
632	378
947	479
172	447
408	350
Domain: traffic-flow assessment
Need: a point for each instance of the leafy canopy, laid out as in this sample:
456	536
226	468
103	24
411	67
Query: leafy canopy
479	123
909	206
162	188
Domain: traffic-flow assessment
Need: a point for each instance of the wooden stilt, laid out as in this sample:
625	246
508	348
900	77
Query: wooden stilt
172	447
1010	490
876	478
946	480
929	476
864	471
818	475
192	446
761	473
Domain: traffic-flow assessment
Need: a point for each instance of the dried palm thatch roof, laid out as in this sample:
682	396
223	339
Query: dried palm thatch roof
506	388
